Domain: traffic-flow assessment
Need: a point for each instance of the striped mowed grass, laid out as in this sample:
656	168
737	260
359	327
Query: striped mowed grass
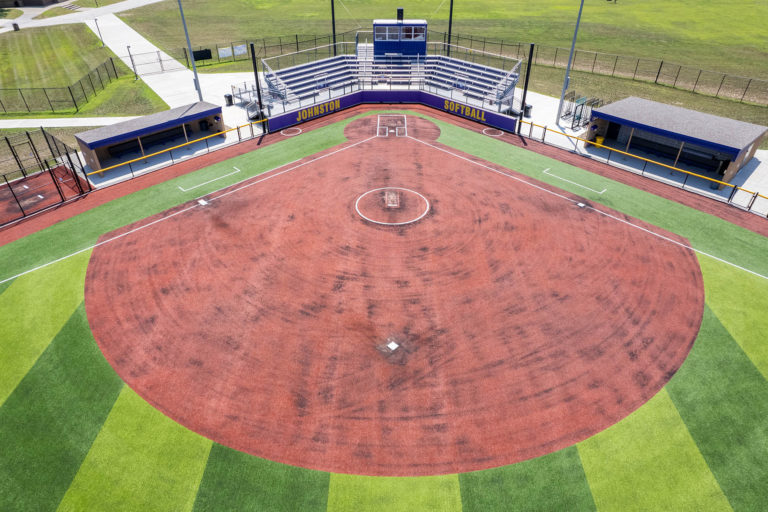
50	56
75	437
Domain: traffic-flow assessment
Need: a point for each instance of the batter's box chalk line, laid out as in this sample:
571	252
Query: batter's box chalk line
387	124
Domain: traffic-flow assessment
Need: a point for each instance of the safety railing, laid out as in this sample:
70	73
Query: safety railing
120	172
687	180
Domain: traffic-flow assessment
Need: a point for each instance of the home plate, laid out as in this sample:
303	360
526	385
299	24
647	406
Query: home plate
392	346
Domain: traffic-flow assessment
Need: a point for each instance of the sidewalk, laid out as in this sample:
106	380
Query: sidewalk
6	124
84	13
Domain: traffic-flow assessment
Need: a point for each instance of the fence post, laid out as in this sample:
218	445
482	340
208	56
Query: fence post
679	68
93	87
733	193
23	213
71	95
297	41
636	66
35	152
3	106
51	104
752	201
101	80
114	69
658	72
594	61
697	81
186	57
745	90
554	61
721	85
615	61
24	100
83	89
16	157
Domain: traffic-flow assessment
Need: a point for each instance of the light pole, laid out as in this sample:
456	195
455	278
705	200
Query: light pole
96	21
450	25
133	64
333	27
570	60
189	49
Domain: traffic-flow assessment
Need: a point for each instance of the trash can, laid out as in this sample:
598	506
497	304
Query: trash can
599	139
527	111
16	27
229	99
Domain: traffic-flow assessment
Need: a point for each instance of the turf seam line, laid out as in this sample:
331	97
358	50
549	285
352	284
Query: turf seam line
189	208
521	180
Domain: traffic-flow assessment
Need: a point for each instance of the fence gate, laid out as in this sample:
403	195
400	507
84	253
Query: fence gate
37	171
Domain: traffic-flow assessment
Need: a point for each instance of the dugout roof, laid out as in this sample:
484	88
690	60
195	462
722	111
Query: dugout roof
707	130
145	125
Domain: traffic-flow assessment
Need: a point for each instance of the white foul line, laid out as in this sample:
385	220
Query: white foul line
196	205
533	185
593	209
210	181
546	171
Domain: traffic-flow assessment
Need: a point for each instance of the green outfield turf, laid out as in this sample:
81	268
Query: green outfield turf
74	437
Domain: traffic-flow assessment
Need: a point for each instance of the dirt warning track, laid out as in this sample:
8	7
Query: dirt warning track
504	323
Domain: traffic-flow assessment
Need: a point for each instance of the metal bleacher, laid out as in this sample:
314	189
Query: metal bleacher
292	86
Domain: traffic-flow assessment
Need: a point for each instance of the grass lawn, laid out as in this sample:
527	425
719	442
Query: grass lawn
722	35
60	11
122	97
73	436
10	14
50	57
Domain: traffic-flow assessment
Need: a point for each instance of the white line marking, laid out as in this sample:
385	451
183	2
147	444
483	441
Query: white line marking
292	134
533	185
546	171
210	181
357	207
593	209
486	132
190	207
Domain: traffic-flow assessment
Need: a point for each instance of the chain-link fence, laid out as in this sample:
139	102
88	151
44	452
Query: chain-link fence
60	99
701	81
37	171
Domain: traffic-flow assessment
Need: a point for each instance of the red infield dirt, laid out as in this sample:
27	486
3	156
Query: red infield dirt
506	323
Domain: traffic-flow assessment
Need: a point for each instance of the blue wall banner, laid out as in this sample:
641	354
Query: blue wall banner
500	121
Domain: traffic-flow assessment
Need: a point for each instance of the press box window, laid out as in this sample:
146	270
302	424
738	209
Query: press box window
414	33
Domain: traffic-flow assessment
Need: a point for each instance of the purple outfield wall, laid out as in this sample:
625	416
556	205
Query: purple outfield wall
494	119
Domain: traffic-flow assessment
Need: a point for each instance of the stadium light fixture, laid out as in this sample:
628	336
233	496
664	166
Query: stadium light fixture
570	60
192	55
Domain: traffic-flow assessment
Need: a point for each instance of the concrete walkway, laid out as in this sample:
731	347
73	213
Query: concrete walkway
6	124
84	13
